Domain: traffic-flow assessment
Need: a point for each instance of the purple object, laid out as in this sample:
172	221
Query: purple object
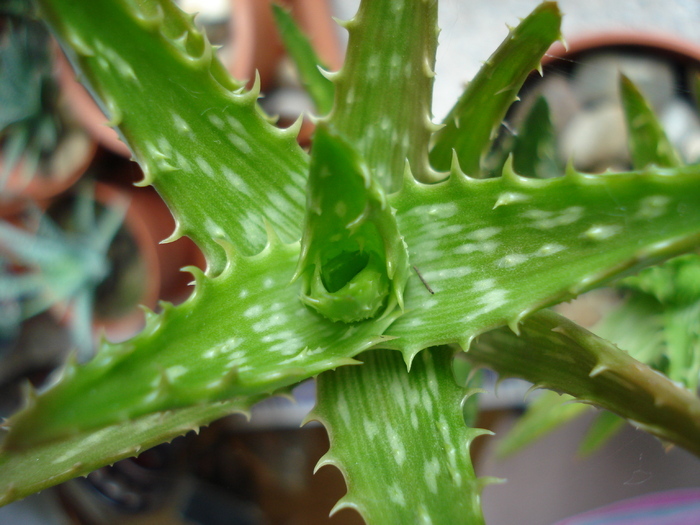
675	507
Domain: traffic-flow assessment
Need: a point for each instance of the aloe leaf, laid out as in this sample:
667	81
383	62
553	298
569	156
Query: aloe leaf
545	414
604	427
682	329
409	430
673	293
383	92
636	327
353	259
37	468
244	333
489	252
307	62
200	138
647	139
473	122
555	353
535	150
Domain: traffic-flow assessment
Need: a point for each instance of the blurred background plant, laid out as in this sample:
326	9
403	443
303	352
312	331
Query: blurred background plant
61	265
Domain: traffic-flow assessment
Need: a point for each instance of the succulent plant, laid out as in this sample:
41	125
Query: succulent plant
61	265
403	255
29	124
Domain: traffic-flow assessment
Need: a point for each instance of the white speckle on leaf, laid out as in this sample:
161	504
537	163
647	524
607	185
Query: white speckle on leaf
483	284
216	120
431	471
370	429
511	260
509	197
484	247
175	371
653	207
549	249
266	324
205	167
181	124
396	495
565	217
396	445
344	409
240	143
253	311
236	125
602	232
484	233
341	208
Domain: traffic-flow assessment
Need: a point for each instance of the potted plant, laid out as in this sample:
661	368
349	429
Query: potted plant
381	247
43	150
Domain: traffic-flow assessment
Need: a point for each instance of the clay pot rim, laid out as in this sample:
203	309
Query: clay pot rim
663	43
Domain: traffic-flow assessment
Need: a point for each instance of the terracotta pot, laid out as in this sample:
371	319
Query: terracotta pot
54	175
142	270
580	84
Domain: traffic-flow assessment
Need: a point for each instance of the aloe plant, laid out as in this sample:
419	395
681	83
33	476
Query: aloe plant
656	322
29	124
62	265
383	249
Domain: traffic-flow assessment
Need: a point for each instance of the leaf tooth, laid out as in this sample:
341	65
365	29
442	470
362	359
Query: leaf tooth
346	24
432	126
328	459
198	275
245	96
28	394
329	75
427	68
598	369
484	481
68	369
148	176
175	235
465	341
473	433
344	503
293	131
150	16
313	415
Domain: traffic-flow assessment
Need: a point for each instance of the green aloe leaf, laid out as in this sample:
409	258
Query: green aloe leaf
23	473
200	138
354	261
604	427
409	430
546	413
474	121
307	62
535	149
264	339
647	139
490	252
555	353
384	90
